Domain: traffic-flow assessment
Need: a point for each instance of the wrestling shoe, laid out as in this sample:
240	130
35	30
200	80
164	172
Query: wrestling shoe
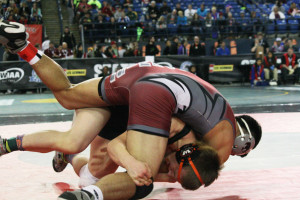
59	162
76	195
2	147
13	35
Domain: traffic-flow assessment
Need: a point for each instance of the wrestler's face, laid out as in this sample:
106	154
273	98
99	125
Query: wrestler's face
172	166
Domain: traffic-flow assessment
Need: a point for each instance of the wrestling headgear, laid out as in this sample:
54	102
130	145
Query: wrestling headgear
185	156
243	143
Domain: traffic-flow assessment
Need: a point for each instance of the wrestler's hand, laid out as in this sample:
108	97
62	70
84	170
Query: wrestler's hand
140	173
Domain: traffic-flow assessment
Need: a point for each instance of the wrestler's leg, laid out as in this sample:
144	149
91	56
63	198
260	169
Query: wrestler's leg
86	126
82	95
98	165
144	147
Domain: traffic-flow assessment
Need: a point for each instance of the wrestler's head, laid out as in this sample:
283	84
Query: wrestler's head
194	165
249	137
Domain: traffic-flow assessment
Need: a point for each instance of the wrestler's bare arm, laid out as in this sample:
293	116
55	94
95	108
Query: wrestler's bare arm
137	170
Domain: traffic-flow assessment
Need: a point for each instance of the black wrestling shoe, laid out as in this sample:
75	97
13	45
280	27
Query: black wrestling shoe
59	162
2	147
13	35
76	195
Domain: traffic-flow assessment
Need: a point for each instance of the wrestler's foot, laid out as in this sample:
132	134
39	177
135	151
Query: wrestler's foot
76	195
59	162
13	35
2	147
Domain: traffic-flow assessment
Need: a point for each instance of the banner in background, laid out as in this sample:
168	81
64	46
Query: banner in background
35	33
19	75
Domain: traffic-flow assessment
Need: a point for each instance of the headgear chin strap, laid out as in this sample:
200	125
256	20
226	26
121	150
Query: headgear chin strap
185	156
243	143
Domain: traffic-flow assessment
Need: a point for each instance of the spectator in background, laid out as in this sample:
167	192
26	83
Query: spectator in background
278	46
276	14
51	51
214	13
174	46
167	50
46	43
153	12
181	19
109	52
196	25
78	53
208	22
122	50
90	52
289	65
58	52
129	50
118	13
193	69
105	72
127	4
231	25
107	9
222	23
23	20
244	23
24	10
256	23
202	12
36	10
136	49
124	18
178	7
112	29
7	56
165	9
11	18
270	68
182	48
132	14
189	12
15	9
279	5
114	48
99	52
151	49
257	74
82	5
161	26
66	52
289	44
228	9
293	10
172	17
197	49
68	37
223	50
260	42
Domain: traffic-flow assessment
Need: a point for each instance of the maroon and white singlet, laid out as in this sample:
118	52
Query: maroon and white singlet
155	93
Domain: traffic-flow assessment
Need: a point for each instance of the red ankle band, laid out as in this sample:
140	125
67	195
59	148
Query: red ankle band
31	54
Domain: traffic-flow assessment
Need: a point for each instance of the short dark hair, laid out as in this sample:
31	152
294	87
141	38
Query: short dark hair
208	165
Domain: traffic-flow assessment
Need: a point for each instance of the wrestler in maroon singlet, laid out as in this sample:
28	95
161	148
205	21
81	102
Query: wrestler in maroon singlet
154	93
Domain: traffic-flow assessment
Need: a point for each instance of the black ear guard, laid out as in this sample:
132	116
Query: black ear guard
185	152
185	156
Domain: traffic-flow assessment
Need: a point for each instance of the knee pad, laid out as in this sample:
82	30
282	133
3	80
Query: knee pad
142	191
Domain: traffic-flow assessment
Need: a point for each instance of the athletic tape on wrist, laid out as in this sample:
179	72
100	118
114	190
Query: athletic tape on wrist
31	54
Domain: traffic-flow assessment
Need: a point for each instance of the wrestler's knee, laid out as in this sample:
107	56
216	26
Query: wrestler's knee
72	145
